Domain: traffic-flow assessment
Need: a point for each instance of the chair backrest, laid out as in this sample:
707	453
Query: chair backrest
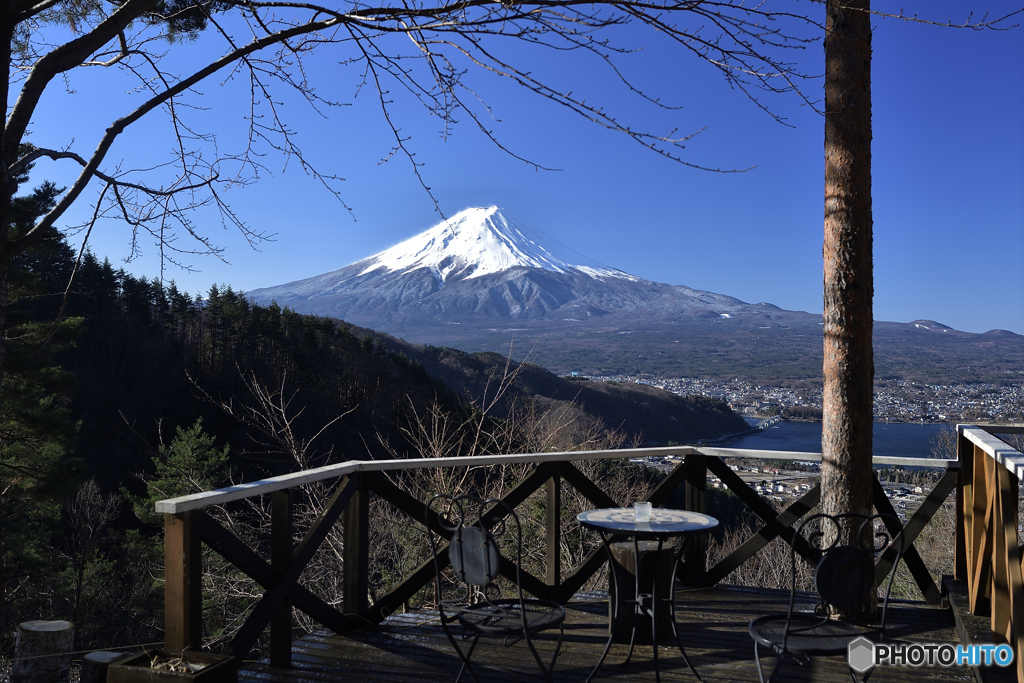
474	554
845	575
847	546
473	526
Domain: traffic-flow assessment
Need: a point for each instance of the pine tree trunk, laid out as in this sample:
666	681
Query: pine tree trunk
846	474
5	212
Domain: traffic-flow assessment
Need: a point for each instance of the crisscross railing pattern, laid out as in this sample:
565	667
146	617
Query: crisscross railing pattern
187	526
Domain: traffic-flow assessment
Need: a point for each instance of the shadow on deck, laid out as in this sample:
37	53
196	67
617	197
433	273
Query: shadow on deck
712	622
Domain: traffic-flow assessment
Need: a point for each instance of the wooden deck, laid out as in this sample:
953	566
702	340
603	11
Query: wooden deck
712	622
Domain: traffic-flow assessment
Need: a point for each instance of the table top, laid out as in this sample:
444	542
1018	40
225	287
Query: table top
664	522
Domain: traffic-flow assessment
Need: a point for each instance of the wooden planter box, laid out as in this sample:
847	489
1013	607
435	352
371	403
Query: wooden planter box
138	669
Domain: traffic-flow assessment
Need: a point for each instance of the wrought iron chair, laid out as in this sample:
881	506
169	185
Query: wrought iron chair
469	594
844	577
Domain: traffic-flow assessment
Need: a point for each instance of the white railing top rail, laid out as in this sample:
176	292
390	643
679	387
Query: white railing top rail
996	448
239	491
341	469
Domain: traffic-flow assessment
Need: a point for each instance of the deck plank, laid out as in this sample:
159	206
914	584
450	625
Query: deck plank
712	622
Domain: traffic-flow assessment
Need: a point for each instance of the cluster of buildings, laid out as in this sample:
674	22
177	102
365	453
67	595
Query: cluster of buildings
771	482
786	484
903	401
895	400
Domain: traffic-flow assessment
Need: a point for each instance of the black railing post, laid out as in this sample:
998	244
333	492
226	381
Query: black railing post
280	560
356	521
695	550
183	581
553	533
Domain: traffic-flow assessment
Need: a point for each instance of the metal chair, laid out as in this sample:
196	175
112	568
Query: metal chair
844	576
469	594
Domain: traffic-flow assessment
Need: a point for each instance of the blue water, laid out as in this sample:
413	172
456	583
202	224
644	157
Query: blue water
907	440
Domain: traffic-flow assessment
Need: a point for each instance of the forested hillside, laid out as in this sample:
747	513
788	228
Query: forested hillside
142	391
648	415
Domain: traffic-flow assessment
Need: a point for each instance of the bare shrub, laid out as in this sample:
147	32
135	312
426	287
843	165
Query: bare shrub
936	546
525	426
771	567
397	542
537	426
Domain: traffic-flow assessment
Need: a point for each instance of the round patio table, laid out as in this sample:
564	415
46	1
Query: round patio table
663	525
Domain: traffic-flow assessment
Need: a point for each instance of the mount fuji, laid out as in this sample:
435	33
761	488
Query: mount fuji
483	265
482	278
483	241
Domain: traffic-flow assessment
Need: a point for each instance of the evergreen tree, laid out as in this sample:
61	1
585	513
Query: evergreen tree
36	429
191	463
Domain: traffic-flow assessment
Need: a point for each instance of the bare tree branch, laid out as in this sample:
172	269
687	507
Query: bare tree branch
429	51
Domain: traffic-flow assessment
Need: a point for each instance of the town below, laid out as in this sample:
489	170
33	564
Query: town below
895	400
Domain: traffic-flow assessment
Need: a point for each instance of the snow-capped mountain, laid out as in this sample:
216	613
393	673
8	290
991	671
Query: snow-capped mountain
483	265
482	278
483	241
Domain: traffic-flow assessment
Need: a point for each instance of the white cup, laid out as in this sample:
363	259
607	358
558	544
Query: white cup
642	510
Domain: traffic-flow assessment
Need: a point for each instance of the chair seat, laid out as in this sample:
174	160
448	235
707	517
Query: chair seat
809	634
504	617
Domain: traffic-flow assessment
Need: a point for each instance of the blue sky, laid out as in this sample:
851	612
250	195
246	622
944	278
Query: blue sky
948	161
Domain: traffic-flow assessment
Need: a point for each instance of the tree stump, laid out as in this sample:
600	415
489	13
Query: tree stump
651	563
94	666
42	652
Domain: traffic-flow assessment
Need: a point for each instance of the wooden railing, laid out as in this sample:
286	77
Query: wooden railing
187	525
988	548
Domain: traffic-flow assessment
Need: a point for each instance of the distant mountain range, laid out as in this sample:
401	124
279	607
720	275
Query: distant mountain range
482	278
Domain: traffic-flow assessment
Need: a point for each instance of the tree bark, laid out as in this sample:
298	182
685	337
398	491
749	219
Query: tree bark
43	652
849	365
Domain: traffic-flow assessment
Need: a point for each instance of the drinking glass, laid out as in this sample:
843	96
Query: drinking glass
642	510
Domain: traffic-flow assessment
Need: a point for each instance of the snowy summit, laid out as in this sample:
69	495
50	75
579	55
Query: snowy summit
484	265
483	241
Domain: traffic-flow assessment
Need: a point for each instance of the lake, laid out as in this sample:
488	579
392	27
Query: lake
903	439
